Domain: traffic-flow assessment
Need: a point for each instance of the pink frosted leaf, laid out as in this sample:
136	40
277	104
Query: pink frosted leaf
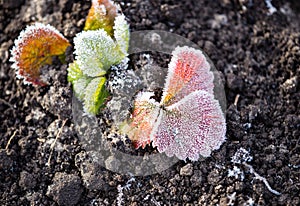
188	71
188	122
191	127
139	126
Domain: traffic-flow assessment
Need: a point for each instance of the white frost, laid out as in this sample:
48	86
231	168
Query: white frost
242	156
271	8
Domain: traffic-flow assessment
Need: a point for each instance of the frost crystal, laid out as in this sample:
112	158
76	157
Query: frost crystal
241	156
250	202
35	47
231	199
118	75
271	8
95	52
236	173
188	121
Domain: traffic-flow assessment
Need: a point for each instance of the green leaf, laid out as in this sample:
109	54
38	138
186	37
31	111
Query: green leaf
74	72
96	95
121	33
96	52
79	86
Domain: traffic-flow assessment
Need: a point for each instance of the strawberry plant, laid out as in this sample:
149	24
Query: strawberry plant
103	43
188	121
95	52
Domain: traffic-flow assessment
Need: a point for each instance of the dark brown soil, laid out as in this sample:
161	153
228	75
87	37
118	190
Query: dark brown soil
259	55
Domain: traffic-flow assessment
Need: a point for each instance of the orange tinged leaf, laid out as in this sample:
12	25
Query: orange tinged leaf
34	48
101	15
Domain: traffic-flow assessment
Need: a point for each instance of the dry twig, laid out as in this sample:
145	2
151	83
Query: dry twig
53	144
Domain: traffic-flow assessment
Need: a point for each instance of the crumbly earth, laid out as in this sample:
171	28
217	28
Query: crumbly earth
42	161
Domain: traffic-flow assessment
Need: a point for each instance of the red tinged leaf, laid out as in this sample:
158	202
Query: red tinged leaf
34	48
188	71
194	125
139	126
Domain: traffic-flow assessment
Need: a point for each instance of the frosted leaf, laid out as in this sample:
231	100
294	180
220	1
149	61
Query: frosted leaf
95	95
191	127
139	126
35	47
84	85
102	45
79	86
121	33
188	122
96	52
101	16
188	71
74	72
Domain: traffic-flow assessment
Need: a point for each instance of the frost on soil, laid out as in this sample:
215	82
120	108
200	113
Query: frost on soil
125	83
241	157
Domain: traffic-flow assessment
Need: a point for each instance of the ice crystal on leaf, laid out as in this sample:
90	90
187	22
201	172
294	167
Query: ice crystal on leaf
104	44
35	47
74	72
188	122
89	89
121	33
95	52
78	79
